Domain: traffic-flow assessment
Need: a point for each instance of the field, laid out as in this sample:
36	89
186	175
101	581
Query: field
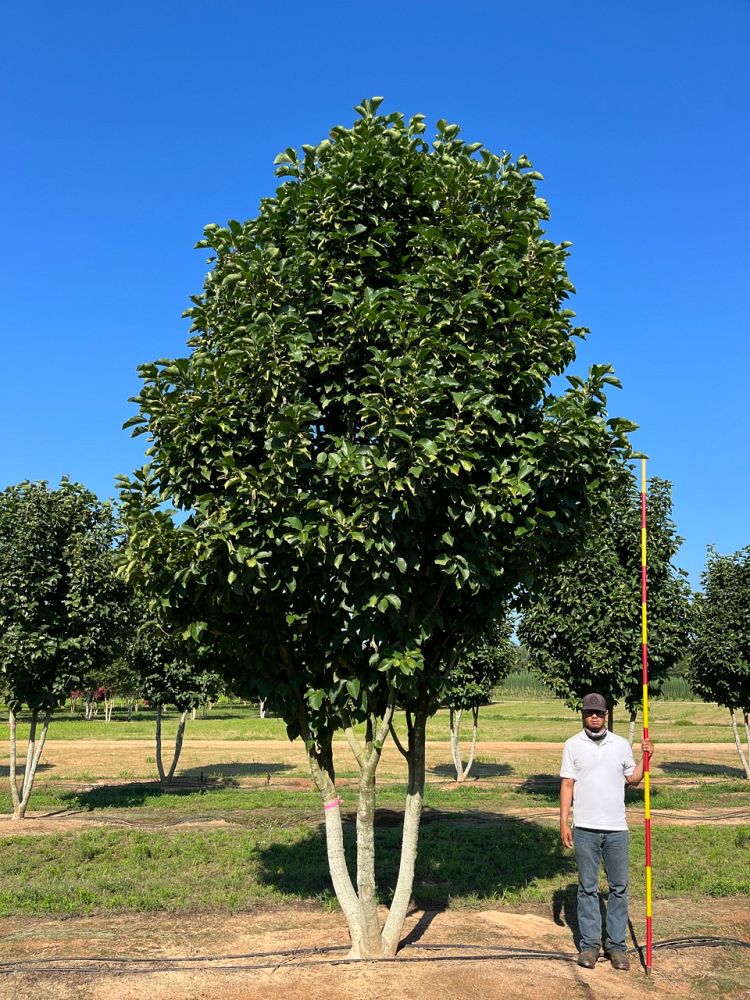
117	887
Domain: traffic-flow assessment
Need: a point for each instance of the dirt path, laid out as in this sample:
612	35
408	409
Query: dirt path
276	761
286	953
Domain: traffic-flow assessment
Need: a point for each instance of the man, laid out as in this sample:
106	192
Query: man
596	766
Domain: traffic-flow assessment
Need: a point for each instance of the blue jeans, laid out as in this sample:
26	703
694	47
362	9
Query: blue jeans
592	847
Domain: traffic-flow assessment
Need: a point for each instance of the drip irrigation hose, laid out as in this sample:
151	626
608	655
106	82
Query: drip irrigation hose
276	959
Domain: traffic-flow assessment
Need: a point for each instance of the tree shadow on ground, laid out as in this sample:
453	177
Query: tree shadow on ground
475	854
140	793
684	768
543	787
545	790
225	772
20	769
479	769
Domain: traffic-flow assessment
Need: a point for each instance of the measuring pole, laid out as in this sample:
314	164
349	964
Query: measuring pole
646	756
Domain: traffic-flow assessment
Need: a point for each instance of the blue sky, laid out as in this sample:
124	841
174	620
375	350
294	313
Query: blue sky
129	127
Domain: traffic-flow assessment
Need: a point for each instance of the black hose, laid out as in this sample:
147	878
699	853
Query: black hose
275	959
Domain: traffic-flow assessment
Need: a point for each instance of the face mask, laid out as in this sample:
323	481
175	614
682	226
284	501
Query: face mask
595	736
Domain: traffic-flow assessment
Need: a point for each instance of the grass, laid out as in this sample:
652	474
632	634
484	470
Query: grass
466	859
479	841
528	720
224	798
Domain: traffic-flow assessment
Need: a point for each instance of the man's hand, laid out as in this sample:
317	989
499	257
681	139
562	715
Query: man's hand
566	835
636	776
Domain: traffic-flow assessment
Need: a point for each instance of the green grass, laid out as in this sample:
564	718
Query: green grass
465	860
472	851
528	720
149	802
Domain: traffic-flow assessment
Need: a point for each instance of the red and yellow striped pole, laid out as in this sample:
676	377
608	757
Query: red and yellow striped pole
646	756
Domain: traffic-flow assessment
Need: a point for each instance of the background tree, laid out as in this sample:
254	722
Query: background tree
61	606
471	682
110	681
720	653
169	671
367	448
583	628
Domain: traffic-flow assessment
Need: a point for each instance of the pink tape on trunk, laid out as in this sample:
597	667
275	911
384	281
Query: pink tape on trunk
332	804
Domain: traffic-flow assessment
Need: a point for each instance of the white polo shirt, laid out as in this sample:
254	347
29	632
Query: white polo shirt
599	769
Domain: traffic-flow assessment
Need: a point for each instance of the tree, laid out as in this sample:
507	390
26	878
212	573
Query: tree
61	606
471	682
169	672
583	628
366	447
720	653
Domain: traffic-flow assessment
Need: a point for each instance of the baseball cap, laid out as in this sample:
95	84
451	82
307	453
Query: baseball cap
594	702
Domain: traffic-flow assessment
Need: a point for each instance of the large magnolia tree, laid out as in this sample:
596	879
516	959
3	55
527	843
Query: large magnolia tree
365	443
62	610
720	654
583	628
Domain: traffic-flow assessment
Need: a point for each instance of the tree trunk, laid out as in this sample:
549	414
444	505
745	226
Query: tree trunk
738	743
412	814
455	727
746	720
33	755
631	730
166	777
262	708
159	765
360	907
322	775
462	773
371	944
177	745
12	766
472	752
611	724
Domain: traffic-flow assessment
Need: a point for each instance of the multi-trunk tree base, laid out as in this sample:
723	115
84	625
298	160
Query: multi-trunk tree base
360	905
166	776
20	796
743	754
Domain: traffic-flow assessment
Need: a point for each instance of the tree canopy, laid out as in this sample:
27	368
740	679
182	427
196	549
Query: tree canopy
720	653
62	609
583	629
481	667
364	439
61	606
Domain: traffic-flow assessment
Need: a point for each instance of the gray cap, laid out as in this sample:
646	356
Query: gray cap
595	702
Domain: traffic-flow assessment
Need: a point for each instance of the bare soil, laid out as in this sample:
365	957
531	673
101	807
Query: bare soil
292	953
281	763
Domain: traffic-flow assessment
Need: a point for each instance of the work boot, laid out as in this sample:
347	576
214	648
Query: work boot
620	960
587	959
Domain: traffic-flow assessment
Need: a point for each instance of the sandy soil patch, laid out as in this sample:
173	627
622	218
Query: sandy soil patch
296	952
